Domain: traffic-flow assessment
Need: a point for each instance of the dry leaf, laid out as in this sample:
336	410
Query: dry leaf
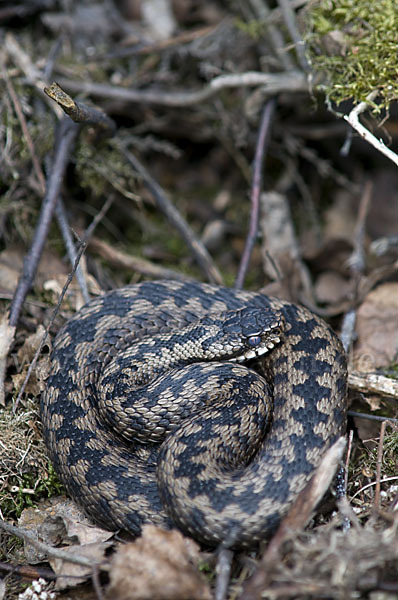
332	288
377	317
27	351
71	574
56	522
160	565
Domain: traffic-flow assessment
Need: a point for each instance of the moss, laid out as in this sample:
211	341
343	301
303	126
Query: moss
28	490
254	28
353	43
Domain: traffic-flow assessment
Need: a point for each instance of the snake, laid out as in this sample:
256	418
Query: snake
193	406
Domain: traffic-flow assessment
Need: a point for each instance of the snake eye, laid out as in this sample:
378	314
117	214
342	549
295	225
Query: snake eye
254	340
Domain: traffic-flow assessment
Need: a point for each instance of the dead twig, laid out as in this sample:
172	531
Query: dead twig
79	112
65	229
379	462
353	413
126	261
223	573
373	383
83	246
33	75
372	483
357	265
30	537
29	142
27	571
66	136
165	205
289	18
273	83
182	38
263	136
276	38
353	120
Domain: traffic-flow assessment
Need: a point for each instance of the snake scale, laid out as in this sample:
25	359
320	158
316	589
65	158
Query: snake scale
150	415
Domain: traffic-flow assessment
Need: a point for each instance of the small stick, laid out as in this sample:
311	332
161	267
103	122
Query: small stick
379	462
67	134
79	112
21	117
273	83
276	38
347	460
289	18
373	383
352	413
28	572
79	254
127	261
164	204
30	537
353	120
223	571
372	483
357	264
262	140
64	226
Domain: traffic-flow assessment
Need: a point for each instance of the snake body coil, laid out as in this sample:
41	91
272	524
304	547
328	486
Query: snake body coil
149	415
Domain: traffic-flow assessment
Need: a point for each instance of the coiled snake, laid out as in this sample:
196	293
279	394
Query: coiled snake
162	361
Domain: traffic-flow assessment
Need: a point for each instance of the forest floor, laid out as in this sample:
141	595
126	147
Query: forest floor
207	112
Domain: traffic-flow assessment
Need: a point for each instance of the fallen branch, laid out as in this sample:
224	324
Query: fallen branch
83	246
273	83
67	134
373	383
79	112
263	136
117	258
353	120
165	205
30	537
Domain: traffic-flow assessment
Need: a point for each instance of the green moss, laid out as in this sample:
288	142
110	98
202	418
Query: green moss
254	28
101	168
30	491
353	43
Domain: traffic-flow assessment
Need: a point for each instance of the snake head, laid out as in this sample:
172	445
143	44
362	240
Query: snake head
245	334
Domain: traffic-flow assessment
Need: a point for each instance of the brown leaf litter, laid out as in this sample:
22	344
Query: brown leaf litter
160	565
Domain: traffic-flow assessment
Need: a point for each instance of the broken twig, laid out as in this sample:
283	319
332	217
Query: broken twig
83	246
263	135
164	204
79	112
273	83
353	120
67	134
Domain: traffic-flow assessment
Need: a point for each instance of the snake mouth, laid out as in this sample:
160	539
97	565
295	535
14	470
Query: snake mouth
256	352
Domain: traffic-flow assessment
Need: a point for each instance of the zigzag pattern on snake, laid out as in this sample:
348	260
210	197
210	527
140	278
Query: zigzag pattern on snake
150	414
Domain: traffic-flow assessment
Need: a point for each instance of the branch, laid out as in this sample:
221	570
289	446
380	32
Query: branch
28	536
353	120
273	83
262	140
67	134
79	112
164	204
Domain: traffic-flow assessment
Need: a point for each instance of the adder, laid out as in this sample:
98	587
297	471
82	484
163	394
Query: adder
192	405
